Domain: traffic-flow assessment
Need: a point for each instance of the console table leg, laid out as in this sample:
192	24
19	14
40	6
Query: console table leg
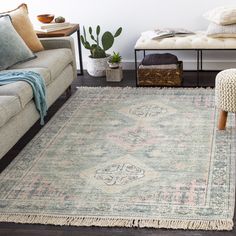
136	67
201	60
197	68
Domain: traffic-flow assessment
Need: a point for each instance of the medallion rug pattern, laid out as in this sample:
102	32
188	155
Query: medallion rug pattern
131	157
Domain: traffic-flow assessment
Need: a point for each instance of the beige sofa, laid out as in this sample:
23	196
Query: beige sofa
56	64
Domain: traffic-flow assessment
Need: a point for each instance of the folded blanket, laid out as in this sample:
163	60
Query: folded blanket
36	82
159	59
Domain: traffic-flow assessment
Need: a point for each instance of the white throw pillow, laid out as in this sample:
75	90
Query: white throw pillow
221	31
224	15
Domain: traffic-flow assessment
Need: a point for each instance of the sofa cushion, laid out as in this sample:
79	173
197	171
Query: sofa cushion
22	89
13	49
44	72
55	60
24	27
9	107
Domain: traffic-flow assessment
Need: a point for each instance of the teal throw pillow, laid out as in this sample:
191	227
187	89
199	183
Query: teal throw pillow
13	49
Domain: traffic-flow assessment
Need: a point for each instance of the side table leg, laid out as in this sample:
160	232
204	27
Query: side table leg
80	54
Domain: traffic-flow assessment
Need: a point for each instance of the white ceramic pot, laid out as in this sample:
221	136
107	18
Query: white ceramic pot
97	66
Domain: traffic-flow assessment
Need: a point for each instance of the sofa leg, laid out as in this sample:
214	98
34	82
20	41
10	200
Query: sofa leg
68	91
222	120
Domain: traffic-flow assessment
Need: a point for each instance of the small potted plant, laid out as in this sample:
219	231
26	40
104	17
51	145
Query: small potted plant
115	60
97	61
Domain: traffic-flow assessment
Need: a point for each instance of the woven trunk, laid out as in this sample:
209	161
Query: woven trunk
160	77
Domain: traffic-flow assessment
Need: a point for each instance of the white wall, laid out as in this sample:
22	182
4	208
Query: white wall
134	16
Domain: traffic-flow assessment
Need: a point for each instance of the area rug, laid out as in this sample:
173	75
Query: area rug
131	157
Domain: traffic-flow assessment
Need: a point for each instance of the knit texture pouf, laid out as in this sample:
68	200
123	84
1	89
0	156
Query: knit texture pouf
225	90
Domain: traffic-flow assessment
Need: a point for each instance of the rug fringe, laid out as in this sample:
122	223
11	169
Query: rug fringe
226	224
145	88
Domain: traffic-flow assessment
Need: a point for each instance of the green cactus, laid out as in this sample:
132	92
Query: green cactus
97	52
107	41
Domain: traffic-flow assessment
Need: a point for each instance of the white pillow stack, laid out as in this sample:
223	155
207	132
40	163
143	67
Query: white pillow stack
222	22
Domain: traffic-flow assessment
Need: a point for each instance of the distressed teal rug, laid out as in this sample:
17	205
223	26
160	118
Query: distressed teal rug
129	158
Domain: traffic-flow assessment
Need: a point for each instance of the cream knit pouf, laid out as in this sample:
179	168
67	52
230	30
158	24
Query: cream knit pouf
225	94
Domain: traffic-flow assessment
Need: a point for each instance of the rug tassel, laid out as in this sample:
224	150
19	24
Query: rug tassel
112	222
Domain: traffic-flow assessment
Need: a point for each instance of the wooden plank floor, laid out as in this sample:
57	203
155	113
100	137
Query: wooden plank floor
11	229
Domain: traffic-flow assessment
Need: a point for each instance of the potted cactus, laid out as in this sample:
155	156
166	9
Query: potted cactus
97	61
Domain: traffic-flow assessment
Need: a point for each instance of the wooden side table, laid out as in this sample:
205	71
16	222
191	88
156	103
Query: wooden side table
75	28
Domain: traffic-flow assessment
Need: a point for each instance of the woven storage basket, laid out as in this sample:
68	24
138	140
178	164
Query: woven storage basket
161	77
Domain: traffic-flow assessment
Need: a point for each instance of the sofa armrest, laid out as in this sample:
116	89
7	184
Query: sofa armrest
57	42
61	42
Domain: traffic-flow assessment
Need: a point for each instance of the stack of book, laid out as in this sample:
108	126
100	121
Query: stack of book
53	27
